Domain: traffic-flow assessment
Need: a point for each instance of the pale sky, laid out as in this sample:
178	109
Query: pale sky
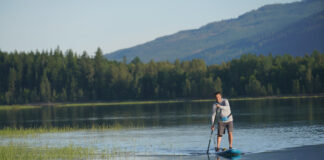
85	25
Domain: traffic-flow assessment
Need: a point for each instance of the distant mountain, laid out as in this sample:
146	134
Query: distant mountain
296	39
294	28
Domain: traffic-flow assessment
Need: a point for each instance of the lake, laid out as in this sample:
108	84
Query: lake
175	128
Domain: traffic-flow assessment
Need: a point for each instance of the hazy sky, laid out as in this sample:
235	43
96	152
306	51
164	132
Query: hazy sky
109	24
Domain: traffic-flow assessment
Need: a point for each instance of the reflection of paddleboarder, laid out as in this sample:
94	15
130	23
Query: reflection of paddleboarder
224	117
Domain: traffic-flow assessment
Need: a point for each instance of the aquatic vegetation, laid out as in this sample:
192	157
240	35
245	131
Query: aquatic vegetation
95	104
18	132
19	151
118	103
9	107
273	97
21	132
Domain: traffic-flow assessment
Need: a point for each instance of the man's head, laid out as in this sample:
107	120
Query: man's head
218	96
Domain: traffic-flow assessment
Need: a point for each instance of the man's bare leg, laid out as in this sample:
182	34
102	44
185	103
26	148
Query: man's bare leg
219	139
230	139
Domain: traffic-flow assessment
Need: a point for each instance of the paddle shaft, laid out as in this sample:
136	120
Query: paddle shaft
211	133
209	141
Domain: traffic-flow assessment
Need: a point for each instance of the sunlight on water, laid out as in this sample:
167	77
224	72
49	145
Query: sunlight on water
177	129
182	140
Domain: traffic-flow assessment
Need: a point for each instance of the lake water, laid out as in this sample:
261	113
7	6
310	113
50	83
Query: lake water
175	128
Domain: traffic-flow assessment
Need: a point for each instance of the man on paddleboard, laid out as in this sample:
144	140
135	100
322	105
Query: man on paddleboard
223	114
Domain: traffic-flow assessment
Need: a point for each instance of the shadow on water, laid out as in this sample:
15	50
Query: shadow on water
217	157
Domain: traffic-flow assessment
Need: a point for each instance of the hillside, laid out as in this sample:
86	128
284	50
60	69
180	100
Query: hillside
297	39
277	29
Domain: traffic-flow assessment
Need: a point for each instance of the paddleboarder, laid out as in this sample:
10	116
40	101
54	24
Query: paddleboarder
223	115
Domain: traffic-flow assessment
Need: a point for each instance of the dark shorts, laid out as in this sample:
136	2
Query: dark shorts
222	126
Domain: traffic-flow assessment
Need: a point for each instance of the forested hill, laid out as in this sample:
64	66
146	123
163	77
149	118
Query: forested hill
294	28
51	76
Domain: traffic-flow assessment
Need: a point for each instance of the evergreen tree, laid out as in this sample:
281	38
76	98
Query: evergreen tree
295	86
10	94
53	76
45	88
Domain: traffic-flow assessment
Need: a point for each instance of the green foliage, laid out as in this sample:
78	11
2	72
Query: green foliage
51	76
21	151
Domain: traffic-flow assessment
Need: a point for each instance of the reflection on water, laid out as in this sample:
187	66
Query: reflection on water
246	113
143	115
179	128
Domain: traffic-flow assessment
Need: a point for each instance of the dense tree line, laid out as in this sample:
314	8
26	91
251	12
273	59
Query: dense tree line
54	76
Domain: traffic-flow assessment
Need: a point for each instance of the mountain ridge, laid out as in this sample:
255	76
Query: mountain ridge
316	34
188	44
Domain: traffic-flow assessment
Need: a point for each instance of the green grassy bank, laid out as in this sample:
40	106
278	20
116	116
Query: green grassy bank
28	106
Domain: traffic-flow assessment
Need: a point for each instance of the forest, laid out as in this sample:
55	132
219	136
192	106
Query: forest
57	76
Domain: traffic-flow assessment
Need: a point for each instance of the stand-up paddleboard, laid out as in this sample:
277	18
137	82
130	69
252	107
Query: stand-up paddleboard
229	153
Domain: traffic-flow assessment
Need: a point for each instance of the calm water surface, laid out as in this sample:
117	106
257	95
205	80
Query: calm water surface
176	128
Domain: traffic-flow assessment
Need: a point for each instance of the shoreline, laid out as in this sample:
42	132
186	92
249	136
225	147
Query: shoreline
111	103
297	153
314	152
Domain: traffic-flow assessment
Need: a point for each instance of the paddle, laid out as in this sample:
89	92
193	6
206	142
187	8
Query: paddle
211	134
